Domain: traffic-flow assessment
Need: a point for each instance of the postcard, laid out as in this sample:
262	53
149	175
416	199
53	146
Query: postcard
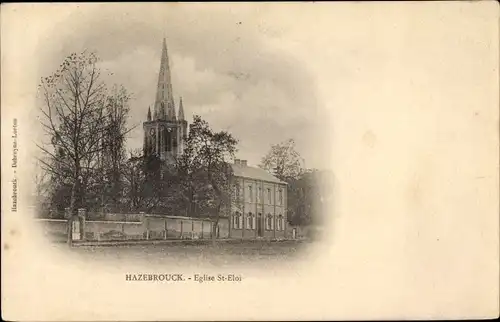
250	161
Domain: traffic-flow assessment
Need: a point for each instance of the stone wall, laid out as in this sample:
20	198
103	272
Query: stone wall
113	230
151	227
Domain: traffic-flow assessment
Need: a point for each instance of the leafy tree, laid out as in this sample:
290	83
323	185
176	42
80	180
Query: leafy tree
204	171
308	197
133	173
283	160
151	186
308	190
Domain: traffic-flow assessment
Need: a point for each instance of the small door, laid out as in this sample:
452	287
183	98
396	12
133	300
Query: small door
75	231
259	225
294	233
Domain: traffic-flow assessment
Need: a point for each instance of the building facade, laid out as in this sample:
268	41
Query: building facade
259	208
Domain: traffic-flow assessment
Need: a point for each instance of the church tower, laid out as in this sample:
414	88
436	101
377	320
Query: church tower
164	131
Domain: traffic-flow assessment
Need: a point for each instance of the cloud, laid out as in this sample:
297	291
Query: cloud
220	65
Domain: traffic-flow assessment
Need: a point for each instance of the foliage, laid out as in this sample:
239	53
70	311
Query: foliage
309	196
283	160
149	185
308	190
198	184
205	172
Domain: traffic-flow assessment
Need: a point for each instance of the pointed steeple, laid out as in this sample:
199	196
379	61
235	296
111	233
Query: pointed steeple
149	113
164	104
181	111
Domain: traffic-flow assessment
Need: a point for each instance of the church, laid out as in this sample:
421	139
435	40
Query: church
164	130
260	202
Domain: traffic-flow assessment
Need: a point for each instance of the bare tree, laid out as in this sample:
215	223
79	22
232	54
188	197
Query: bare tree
112	157
75	119
41	191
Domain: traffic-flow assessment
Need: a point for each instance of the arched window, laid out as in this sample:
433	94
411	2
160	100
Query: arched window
269	222
174	137
280	224
236	220
249	222
237	191
240	221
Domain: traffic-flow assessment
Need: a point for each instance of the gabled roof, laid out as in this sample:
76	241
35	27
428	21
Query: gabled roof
245	171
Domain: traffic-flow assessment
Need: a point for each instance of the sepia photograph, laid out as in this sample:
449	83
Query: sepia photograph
167	182
149	147
250	161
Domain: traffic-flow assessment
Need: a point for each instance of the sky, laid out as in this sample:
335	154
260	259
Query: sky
378	93
226	63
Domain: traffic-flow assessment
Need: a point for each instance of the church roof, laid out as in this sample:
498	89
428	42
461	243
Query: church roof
245	171
164	108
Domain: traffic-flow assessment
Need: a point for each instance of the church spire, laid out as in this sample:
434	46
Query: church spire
164	107
149	113
181	111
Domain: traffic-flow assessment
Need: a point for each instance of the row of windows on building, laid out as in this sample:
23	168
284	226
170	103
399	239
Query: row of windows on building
249	221
259	197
